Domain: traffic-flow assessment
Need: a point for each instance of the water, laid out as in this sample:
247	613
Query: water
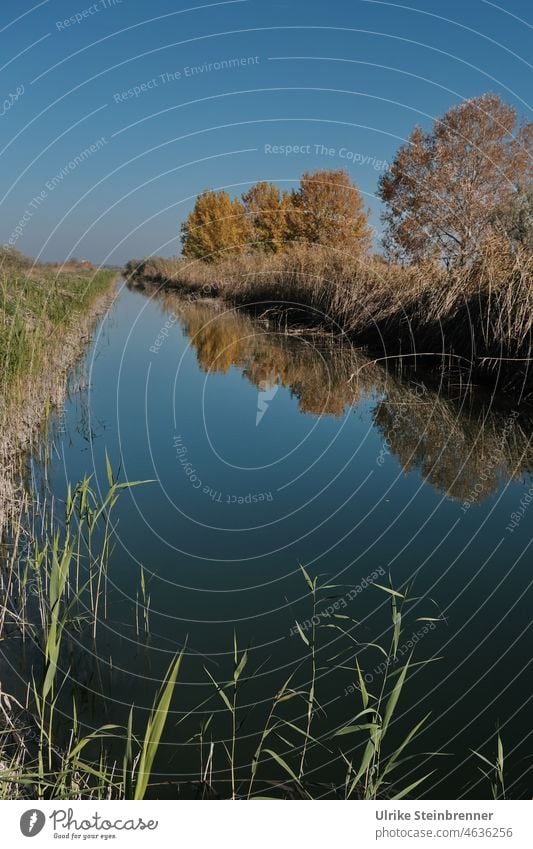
268	450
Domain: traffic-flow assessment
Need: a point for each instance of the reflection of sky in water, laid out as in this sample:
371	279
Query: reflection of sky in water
348	470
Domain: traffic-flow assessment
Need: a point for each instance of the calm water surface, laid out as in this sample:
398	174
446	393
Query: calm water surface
268	450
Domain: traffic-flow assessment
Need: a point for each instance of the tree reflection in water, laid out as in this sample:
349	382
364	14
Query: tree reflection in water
465	446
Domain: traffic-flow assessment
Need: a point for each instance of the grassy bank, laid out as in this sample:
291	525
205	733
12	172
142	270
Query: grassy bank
57	604
46	314
476	320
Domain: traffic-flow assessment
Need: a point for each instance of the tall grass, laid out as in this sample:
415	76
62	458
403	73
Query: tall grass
46	314
496	770
479	318
63	572
462	440
43	756
280	766
36	308
59	567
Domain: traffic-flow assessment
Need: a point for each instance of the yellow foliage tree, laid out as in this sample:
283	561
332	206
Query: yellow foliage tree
216	226
266	208
328	210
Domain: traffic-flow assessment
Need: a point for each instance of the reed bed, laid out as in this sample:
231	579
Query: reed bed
63	572
461	441
477	318
53	587
49	748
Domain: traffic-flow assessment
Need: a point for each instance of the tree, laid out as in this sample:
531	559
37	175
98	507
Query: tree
328	210
11	258
267	208
216	225
444	187
515	219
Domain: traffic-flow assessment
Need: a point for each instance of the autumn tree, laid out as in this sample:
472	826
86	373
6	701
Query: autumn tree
216	225
445	187
328	210
515	219
267	209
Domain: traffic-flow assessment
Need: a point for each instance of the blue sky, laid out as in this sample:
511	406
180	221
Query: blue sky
95	168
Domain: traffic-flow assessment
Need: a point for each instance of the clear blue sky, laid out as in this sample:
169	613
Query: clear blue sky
349	76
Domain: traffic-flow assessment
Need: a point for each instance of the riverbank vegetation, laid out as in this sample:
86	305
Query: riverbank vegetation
57	607
453	283
46	313
453	288
50	750
464	444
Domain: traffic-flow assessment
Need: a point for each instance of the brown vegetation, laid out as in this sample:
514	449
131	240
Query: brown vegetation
478	320
459	203
462	445
328	210
446	187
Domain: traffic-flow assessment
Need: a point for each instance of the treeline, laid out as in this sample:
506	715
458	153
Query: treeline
447	194
454	280
326	209
11	260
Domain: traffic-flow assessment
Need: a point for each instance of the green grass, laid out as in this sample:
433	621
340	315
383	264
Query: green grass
61	577
37	307
46	314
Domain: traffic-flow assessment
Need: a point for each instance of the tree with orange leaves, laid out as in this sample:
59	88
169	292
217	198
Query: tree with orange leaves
328	210
267	208
445	187
216	226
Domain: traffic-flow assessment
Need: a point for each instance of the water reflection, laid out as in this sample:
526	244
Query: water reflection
465	446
